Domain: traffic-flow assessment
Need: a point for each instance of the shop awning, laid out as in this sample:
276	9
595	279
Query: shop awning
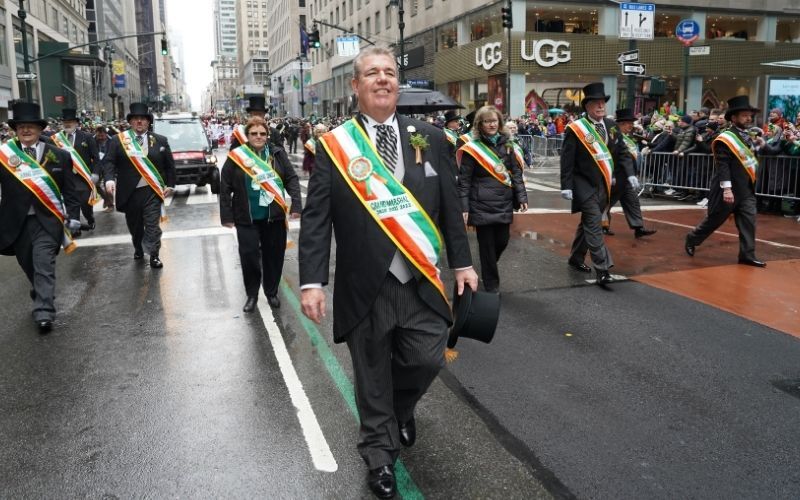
794	63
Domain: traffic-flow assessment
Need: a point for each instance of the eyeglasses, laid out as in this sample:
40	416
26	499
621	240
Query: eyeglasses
258	134
490	122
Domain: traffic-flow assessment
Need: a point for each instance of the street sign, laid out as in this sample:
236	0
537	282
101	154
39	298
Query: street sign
26	76
687	31
629	56
700	50
636	20
637	69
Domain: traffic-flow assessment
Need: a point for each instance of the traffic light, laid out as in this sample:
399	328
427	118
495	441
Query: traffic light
507	21
164	49
313	39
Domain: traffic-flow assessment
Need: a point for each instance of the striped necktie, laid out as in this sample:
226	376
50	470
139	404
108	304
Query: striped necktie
140	139
387	145
601	129
30	152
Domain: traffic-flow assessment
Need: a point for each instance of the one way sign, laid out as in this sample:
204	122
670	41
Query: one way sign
637	69
627	57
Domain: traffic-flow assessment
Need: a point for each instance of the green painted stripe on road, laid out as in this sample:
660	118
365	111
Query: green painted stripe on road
405	485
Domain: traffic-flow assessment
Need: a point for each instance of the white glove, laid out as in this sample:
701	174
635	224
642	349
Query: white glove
566	194
111	187
634	182
73	225
95	178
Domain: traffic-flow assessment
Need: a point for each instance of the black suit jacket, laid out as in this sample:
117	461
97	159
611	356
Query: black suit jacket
17	200
86	147
363	251
116	165
727	167
579	171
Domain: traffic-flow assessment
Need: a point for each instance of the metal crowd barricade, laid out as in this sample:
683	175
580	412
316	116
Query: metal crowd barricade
778	176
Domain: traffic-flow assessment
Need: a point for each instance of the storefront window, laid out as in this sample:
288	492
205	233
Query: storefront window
561	19
484	24
720	26
788	30
666	21
446	36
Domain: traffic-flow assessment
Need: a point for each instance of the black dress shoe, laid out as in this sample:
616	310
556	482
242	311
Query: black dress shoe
87	227
381	482
608	231
408	432
273	301
155	262
44	326
250	304
689	247
579	266
604	278
640	232
753	262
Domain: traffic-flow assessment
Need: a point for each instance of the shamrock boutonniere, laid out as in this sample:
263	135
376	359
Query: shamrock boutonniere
83	144
152	141
613	132
418	142
49	157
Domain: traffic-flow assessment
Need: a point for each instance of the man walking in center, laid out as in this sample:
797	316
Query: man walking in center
386	185
593	149
140	170
732	189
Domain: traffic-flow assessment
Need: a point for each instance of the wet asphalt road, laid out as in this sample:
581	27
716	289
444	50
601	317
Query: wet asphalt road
155	384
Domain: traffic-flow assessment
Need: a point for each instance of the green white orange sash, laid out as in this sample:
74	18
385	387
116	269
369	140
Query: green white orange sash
311	146
519	154
393	207
742	152
239	133
260	171
78	165
452	136
592	141
487	159
465	137
143	165
39	182
633	149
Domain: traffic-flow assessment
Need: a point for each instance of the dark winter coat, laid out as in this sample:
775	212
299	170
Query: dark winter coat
485	199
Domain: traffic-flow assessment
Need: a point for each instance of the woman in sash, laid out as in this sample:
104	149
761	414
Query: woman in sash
253	187
490	186
310	147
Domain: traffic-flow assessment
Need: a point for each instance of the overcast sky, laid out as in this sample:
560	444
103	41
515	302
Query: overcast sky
192	21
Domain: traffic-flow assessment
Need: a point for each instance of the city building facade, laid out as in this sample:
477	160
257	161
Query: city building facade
556	47
289	68
252	49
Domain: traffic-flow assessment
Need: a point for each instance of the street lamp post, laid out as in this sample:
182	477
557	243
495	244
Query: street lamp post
302	101
401	26
109	50
25	63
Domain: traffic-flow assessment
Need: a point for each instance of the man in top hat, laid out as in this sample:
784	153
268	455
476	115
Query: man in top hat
592	151
257	107
33	215
389	302
85	166
626	185
732	189
452	127
140	171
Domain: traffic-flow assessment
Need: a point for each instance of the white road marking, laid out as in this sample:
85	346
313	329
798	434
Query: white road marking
119	239
321	453
766	242
539	187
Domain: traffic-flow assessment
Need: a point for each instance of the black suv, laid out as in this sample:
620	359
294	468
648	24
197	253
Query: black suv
195	162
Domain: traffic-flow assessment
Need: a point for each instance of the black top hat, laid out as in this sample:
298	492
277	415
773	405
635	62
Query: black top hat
26	112
624	115
139	109
476	315
257	103
739	103
594	91
69	114
451	115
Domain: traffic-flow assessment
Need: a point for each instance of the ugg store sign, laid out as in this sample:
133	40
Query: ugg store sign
545	52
